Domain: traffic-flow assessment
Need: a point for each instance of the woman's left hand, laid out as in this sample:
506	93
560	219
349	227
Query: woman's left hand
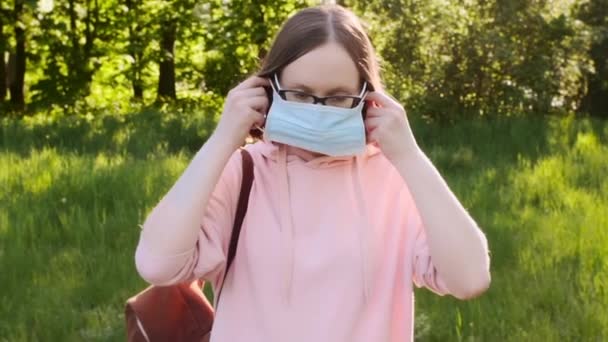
386	125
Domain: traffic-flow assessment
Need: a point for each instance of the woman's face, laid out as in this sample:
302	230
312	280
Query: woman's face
325	71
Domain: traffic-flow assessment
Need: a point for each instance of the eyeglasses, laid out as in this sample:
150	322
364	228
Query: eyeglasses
342	101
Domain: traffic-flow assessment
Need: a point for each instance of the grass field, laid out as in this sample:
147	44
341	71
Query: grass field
72	200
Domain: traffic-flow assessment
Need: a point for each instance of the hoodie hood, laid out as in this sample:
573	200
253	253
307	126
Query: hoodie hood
271	150
352	167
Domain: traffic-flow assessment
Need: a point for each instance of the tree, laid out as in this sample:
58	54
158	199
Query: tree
136	46
595	14
16	65
446	60
171	19
479	58
3	49
166	65
70	38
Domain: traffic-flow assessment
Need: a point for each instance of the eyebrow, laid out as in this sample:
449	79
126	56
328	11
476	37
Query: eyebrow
331	91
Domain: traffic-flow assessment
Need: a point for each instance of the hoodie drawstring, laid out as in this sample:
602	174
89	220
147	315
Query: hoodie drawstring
362	228
286	225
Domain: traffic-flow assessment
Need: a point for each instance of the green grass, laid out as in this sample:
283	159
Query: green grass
72	200
69	228
539	189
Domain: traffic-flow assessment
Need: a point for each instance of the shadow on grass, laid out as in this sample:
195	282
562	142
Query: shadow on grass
139	133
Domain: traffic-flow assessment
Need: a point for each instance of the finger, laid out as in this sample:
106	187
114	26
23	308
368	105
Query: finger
382	99
258	103
250	92
371	138
252	82
375	112
374	133
258	119
371	104
371	124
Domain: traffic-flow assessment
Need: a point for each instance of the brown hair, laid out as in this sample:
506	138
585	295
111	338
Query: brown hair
315	26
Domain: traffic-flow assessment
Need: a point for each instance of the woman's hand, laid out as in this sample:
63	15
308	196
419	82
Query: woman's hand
244	108
387	126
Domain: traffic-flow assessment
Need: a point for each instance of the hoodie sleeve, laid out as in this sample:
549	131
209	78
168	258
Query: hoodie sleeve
206	257
424	272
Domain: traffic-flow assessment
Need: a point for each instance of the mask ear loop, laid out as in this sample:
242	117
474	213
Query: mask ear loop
363	92
276	80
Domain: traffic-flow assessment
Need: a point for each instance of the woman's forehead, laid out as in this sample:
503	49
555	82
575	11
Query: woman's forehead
325	68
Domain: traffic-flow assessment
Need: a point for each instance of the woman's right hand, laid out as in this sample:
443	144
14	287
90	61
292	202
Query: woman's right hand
244	108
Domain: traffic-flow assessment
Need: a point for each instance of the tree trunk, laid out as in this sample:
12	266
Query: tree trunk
135	50
166	77
595	101
260	39
91	22
75	62
17	68
3	86
138	87
2	58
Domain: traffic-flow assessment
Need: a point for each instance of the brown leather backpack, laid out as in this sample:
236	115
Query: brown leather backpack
181	312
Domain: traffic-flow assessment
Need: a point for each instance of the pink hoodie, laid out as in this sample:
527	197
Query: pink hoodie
329	250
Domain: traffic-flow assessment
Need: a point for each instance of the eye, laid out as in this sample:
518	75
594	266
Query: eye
340	101
300	96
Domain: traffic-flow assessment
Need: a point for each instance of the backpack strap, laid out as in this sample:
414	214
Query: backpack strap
241	210
242	205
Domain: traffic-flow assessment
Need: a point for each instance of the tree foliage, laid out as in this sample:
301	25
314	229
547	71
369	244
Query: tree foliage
444	59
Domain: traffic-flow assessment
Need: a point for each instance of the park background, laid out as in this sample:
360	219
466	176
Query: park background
104	102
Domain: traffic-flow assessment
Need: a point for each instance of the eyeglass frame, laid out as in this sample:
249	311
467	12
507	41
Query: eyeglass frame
320	99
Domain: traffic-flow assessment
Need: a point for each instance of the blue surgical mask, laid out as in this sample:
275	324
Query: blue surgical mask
332	131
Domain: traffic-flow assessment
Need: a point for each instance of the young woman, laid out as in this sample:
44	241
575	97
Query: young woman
346	212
